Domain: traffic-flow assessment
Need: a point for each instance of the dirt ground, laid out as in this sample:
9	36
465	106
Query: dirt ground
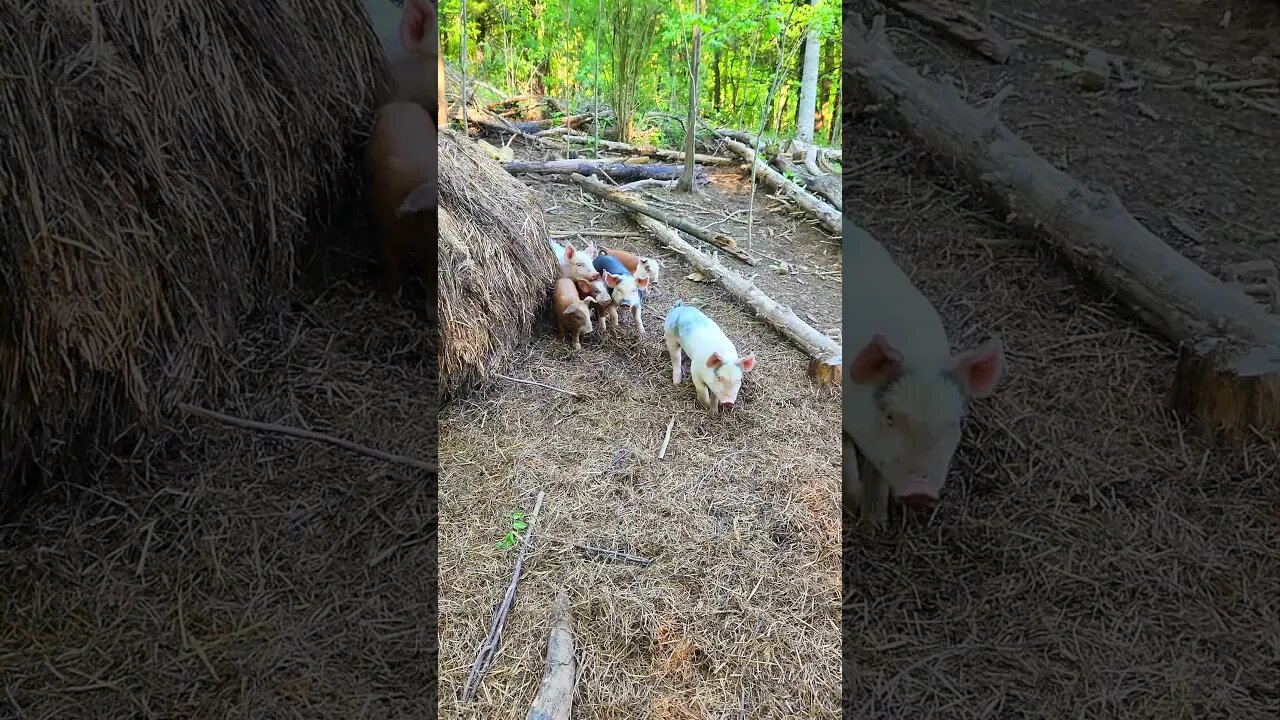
1091	557
737	616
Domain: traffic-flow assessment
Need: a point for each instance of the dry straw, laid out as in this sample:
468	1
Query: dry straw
496	267
159	163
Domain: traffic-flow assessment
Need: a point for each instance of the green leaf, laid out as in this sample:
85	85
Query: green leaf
519	525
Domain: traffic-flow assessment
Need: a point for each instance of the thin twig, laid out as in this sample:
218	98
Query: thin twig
542	385
614	554
493	641
663	452
306	435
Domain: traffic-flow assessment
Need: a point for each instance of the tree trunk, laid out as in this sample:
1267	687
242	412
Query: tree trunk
819	210
723	243
1228	375
685	184
826	116
808	85
617	171
715	83
824	353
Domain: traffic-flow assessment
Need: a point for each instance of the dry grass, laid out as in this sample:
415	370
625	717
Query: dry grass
159	164
1089	559
222	573
495	264
737	616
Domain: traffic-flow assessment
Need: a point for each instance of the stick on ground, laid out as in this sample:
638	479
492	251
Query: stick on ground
824	353
555	696
662	453
493	640
538	384
306	435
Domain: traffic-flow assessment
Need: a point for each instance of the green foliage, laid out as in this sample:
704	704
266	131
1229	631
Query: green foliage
518	46
518	525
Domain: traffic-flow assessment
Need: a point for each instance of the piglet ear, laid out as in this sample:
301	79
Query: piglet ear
748	362
715	360
413	26
591	249
979	370
642	283
422	199
610	279
569	251
877	362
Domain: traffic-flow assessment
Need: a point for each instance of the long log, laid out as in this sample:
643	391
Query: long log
620	172
719	241
960	25
646	150
824	353
555	694
1228	375
824	185
817	208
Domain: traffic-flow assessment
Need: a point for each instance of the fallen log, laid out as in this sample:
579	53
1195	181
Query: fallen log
822	184
620	172
1228	374
555	694
817	208
959	25
649	150
824	353
719	241
569	121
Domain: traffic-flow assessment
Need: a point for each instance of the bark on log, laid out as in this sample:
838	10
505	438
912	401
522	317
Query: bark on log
676	155
817	208
570	121
1228	377
621	172
824	185
824	353
555	695
957	24
719	241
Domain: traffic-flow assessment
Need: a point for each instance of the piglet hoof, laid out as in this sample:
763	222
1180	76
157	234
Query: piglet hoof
675	378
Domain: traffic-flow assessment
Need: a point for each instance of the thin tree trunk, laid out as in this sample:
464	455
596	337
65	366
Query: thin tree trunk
686	184
808	84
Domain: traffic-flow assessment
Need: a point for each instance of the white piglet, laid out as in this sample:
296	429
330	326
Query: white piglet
905	393
714	364
575	264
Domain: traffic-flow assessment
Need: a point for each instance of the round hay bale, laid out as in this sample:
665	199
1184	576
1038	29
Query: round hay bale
159	166
496	267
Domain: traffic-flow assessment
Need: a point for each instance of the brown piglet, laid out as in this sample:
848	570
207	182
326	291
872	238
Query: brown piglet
572	312
638	265
400	162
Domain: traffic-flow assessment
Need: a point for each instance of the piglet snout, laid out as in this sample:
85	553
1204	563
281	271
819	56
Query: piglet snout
919	501
726	405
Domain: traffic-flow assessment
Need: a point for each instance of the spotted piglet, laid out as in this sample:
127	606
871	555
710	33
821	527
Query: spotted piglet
603	305
623	287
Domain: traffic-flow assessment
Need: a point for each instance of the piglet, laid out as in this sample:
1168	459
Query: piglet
572	313
714	364
575	264
410	63
624	287
400	162
603	305
638	265
905	393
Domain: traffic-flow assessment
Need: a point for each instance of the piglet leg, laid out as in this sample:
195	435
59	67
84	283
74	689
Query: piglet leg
577	345
639	322
673	347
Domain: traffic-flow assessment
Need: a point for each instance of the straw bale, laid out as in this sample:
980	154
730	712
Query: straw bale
496	267
159	164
